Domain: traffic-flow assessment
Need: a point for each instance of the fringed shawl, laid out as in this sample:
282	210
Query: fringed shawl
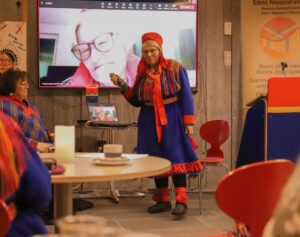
13	150
167	74
168	77
26	115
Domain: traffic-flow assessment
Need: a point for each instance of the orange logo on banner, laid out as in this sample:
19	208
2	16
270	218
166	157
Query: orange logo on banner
280	37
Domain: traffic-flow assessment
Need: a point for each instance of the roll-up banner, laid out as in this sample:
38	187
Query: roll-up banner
270	44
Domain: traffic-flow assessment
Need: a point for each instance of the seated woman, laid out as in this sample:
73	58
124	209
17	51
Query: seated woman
13	102
24	180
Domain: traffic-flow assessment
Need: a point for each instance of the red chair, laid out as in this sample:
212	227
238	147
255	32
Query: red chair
215	132
249	194
7	214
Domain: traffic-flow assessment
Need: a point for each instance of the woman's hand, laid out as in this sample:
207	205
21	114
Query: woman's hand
115	79
118	81
44	147
189	130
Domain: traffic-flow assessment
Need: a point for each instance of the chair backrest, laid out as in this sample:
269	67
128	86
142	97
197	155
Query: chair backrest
215	132
7	214
250	193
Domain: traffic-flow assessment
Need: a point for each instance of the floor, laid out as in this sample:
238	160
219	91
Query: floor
131	214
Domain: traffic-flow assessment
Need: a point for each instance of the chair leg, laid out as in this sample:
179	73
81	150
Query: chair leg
172	189
141	184
206	175
200	178
202	173
226	167
189	183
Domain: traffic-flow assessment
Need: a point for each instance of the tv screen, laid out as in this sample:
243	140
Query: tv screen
81	42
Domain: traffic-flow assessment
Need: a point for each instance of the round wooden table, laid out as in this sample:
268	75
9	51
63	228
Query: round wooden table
83	170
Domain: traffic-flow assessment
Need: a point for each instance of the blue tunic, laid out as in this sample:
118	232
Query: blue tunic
33	194
175	145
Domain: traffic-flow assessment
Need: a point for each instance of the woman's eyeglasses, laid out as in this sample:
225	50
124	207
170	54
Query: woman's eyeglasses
5	61
103	43
24	83
151	51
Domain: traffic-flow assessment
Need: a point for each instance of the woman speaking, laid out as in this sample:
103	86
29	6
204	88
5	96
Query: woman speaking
166	119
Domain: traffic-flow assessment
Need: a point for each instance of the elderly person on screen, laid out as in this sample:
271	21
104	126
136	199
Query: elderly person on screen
166	119
14	103
100	50
101	115
24	180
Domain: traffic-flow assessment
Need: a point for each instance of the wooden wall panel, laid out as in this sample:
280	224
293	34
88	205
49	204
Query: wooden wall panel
10	10
218	94
237	114
200	98
227	47
218	86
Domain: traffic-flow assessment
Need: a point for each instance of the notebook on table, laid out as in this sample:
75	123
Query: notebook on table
105	115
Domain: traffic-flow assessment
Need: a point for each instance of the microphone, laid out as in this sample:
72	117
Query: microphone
111	75
283	66
116	79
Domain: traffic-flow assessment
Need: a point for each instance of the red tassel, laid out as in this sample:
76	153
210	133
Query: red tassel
161	195
181	195
155	197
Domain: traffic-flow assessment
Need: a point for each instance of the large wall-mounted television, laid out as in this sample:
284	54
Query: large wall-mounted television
81	42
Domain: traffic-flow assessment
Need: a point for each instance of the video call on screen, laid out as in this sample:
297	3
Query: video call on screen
113	38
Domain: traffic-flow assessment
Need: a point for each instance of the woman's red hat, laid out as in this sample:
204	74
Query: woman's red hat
154	37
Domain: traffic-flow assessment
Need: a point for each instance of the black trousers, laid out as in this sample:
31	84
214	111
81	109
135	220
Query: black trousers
179	180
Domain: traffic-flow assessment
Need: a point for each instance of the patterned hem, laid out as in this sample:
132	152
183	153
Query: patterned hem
192	167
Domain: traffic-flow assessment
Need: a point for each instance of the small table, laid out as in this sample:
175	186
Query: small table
82	170
112	193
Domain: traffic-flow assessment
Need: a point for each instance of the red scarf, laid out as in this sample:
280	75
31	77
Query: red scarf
158	102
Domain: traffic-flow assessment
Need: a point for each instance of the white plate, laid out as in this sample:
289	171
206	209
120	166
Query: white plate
115	161
130	156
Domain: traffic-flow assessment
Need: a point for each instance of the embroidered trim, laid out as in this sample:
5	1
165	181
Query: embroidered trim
188	119
166	101
28	110
192	167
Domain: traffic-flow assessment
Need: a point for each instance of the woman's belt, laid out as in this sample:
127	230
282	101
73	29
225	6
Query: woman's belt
166	101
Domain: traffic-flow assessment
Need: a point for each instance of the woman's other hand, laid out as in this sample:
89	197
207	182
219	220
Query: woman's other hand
44	147
51	137
189	130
